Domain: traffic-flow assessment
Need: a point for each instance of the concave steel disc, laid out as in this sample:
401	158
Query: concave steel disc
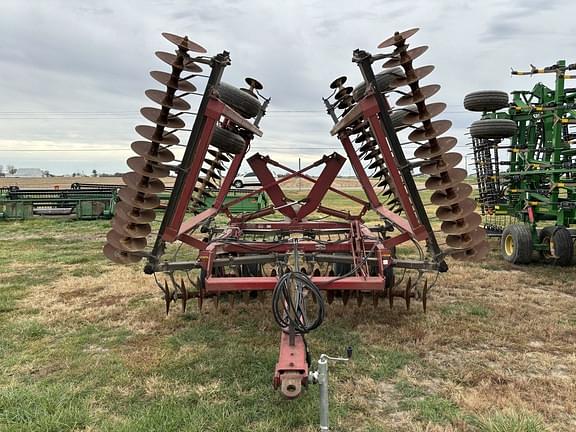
219	155
398	38
138	199
124	243
462	226
149	132
432	111
416	75
456	211
155	114
443	163
177	84
216	165
419	95
179	63
160	98
346	102
344	91
207	183
372	154
367	146
143	184
467	240
476	253
253	83
130	229
378	163
211	173
433	130
452	195
410	55
147	168
120	257
435	148
446	180
152	151
184	42
133	214
338	82
364	136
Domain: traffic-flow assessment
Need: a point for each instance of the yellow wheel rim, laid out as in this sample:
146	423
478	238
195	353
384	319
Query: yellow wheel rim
509	245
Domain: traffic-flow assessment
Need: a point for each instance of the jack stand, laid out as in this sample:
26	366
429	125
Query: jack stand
320	377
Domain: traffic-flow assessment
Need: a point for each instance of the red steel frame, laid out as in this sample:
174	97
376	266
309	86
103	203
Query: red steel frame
292	369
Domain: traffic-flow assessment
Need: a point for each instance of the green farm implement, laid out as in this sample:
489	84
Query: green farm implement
525	157
16	203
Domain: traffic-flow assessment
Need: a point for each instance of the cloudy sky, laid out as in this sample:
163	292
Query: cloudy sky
73	72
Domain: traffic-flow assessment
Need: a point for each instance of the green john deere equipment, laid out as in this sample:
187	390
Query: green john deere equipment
525	157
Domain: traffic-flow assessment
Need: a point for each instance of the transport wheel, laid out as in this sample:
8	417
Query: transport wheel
245	103
486	100
397	116
384	81
227	141
560	248
238	184
516	244
493	128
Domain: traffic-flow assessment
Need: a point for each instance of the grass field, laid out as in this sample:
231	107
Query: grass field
85	346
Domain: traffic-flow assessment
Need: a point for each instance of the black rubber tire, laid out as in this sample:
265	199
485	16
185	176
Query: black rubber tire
227	141
238	184
493	128
244	103
561	247
516	244
486	100
384	81
397	116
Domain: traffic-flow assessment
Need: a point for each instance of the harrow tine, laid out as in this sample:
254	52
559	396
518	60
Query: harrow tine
408	292
425	295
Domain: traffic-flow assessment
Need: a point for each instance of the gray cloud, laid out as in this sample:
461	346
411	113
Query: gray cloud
93	58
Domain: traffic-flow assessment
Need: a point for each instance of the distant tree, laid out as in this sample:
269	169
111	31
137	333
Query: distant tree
11	169
1	169
94	173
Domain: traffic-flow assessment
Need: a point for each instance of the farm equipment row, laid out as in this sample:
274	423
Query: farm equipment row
526	166
303	252
86	201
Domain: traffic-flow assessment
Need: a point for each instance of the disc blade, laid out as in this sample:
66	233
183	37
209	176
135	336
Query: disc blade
118	256
338	82
446	180
184	42
344	91
418	74
476	253
156	115
152	151
143	184
169	80
406	57
148	168
456	211
132	214
398	38
467	240
149	132
162	98
124	243
435	148
452	195
138	199
378	163
418	95
432	111
468	224
130	229
178	62
219	155
216	165
441	164
432	130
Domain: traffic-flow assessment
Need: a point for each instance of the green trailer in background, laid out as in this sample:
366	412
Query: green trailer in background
94	201
86	204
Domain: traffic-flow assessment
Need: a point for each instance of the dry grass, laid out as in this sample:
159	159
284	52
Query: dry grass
89	340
